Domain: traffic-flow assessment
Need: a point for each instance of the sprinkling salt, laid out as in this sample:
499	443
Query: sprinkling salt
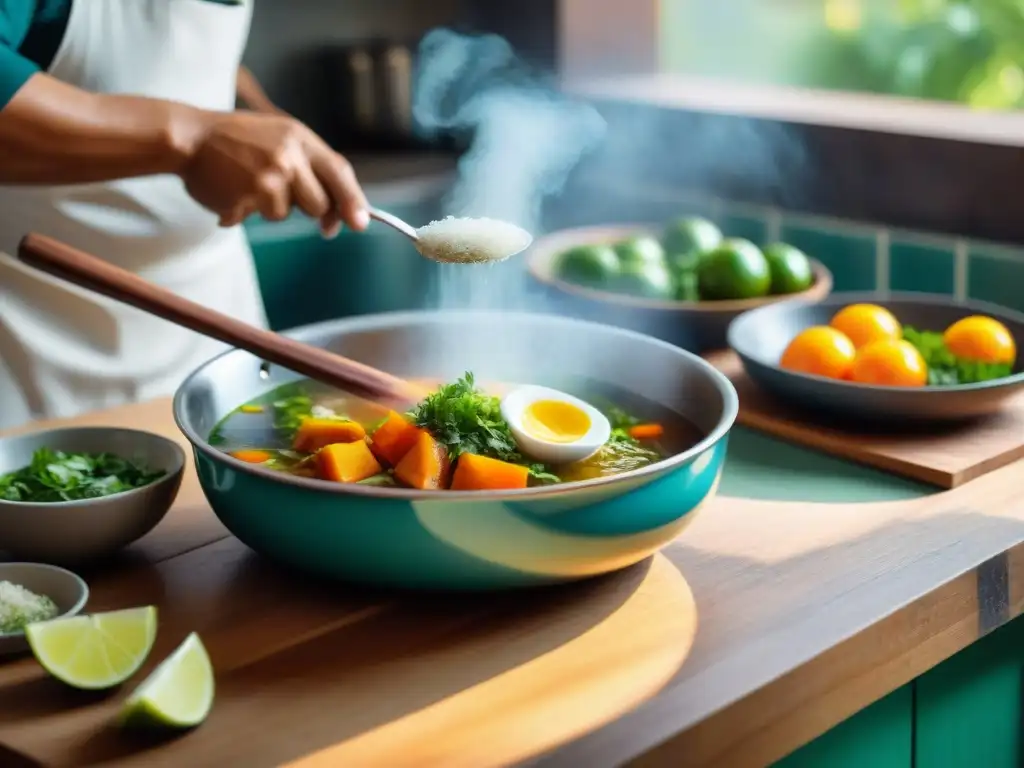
471	241
19	606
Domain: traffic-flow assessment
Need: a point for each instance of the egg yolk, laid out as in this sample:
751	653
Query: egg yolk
555	422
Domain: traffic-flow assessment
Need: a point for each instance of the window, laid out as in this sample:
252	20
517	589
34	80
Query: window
966	51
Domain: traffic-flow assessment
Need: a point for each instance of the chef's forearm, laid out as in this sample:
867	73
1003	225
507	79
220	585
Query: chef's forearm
53	133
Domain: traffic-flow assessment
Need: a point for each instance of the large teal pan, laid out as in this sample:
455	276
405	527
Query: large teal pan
468	540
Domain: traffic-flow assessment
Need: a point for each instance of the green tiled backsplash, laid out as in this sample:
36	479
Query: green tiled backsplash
306	279
861	256
868	257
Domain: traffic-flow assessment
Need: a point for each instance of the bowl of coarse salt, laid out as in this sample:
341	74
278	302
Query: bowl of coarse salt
32	592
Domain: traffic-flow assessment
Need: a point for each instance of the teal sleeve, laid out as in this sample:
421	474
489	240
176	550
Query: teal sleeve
16	17
15	70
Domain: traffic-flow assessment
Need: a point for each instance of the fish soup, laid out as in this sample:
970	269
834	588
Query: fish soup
463	436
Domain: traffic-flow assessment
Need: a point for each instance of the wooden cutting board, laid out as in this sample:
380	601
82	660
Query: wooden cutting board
313	674
947	456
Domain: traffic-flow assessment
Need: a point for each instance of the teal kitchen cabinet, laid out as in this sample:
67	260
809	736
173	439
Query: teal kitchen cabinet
306	279
965	713
968	709
880	736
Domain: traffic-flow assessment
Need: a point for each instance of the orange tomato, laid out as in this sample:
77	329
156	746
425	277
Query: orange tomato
890	363
820	351
865	323
982	339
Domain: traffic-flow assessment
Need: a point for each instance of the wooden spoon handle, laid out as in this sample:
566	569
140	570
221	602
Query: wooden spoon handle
82	269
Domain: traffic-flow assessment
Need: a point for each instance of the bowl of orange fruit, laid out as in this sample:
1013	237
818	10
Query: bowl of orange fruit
904	357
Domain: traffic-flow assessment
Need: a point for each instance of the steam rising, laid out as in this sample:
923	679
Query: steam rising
526	138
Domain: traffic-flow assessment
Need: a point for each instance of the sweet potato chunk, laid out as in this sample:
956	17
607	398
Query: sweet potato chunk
346	462
394	438
313	434
480	473
252	455
646	431
425	466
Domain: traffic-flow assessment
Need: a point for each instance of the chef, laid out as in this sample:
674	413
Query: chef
118	135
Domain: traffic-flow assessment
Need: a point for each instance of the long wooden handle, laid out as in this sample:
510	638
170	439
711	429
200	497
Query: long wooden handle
82	269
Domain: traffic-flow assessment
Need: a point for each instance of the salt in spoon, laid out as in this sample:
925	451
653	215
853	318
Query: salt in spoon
461	240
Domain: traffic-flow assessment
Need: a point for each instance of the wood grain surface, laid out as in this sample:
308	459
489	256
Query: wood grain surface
808	613
946	456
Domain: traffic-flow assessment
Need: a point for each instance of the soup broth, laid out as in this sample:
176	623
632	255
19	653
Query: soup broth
307	429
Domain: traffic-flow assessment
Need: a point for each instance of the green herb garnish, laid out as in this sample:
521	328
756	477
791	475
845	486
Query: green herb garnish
382	480
286	459
946	369
620	420
292	405
290	411
466	420
624	453
217	435
58	476
539	475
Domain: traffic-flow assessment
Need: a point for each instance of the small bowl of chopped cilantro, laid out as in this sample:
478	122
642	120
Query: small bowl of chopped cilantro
80	494
905	357
31	592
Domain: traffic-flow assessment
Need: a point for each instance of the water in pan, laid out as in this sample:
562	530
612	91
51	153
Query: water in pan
268	424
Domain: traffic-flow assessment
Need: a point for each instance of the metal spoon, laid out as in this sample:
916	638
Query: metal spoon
463	255
396	223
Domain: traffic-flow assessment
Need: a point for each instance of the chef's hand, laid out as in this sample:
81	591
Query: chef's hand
242	163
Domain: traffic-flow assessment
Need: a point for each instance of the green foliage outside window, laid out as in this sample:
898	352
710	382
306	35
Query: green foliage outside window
969	51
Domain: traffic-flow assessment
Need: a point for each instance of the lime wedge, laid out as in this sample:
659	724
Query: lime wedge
97	651
177	694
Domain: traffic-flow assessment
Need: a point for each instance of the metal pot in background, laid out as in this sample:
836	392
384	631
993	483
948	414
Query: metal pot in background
351	77
394	70
371	88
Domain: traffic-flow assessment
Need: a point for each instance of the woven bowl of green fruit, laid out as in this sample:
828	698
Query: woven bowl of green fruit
683	282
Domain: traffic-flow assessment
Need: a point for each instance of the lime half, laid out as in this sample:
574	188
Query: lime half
97	651
177	694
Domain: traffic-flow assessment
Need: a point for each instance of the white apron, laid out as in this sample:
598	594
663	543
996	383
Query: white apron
64	350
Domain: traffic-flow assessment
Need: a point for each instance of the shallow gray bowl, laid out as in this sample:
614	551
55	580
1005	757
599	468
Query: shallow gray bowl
78	531
68	591
760	337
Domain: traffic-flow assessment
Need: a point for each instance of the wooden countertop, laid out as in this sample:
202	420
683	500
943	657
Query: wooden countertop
807	613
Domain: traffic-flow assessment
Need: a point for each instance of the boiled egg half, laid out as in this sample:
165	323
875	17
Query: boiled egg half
553	427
